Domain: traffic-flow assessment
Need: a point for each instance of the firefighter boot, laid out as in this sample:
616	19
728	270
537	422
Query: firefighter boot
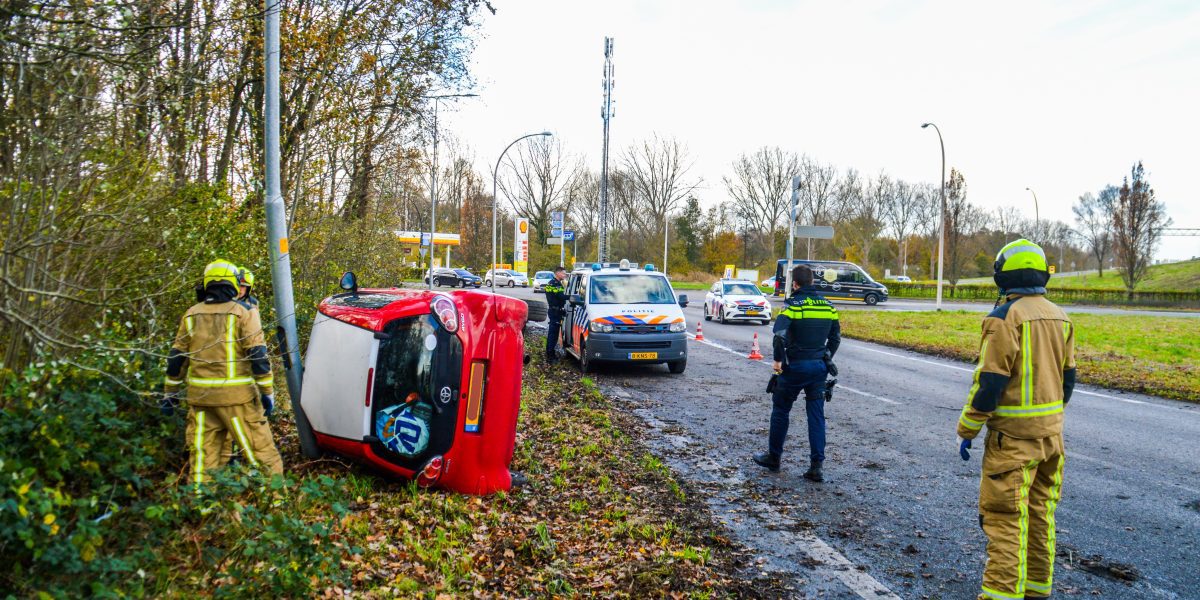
768	460
814	471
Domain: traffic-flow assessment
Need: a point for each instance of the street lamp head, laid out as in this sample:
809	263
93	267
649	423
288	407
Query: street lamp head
924	125
546	134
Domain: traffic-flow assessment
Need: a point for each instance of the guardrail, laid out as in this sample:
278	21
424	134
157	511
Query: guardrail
1063	295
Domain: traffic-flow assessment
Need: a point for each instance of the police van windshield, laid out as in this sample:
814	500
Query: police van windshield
741	289
631	289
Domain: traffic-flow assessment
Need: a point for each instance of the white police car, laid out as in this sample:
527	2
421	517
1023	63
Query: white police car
736	300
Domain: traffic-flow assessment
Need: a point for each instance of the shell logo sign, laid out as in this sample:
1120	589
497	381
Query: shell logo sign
521	246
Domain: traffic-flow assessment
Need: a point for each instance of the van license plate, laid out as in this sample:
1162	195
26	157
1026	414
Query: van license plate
643	355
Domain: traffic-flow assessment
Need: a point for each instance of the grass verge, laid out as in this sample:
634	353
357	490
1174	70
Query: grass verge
1158	356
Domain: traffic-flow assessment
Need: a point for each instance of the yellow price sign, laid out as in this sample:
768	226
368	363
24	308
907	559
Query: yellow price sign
1052	269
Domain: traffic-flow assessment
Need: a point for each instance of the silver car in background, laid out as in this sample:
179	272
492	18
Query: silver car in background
540	279
506	278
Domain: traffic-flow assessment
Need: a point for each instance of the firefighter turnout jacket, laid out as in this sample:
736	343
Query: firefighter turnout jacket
221	354
807	327
1026	371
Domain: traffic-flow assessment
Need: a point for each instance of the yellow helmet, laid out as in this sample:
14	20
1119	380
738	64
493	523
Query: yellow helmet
221	271
245	277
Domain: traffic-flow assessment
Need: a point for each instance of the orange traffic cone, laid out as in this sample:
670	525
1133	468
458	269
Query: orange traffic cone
699	333
754	353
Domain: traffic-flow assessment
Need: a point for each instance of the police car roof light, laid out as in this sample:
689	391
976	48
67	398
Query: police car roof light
624	264
595	266
649	267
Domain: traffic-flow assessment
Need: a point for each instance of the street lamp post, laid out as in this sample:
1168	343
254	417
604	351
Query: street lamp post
941	216
495	198
433	179
1036	217
666	236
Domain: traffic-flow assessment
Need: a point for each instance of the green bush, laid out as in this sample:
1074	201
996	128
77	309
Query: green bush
91	503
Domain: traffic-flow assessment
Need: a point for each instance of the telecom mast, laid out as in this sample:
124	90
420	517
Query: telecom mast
606	113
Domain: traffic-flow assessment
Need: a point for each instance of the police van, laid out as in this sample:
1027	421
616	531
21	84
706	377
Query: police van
836	280
619	313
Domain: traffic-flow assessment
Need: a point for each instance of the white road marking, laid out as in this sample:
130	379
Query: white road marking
765	363
833	563
867	394
958	368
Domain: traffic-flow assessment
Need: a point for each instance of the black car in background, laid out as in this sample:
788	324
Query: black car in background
454	278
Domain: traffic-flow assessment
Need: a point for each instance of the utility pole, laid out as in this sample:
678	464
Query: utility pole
606	113
433	182
666	236
277	234
787	271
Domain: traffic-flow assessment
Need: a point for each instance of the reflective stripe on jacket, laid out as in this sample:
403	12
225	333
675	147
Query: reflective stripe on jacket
807	326
1026	371
221	354
556	297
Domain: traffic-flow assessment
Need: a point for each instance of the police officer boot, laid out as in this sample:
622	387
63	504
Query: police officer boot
814	471
768	460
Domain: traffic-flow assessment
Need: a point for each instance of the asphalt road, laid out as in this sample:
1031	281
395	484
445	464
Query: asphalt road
896	516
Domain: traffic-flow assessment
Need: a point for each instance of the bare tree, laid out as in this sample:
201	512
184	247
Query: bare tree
657	170
963	221
901	213
1008	221
1138	221
865	211
761	190
1094	216
541	175
818	186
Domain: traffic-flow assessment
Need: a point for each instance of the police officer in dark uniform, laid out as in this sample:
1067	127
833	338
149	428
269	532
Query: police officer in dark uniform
556	298
807	334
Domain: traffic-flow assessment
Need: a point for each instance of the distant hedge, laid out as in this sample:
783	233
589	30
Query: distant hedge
1066	295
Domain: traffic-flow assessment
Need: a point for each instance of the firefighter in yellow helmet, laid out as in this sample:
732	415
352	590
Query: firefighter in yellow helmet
220	353
1024	380
246	287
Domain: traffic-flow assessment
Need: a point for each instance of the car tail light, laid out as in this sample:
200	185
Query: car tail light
475	389
443	309
370	385
431	472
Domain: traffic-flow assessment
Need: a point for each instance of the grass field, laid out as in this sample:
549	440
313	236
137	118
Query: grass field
1158	356
1181	276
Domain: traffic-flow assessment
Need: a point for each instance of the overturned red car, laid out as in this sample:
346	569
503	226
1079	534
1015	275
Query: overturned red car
422	385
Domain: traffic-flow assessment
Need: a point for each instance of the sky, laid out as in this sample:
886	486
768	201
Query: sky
1060	97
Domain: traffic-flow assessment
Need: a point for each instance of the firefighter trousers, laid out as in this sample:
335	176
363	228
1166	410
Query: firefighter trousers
1019	491
212	431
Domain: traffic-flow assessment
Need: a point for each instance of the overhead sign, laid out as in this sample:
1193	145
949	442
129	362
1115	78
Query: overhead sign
816	232
556	223
569	235
521	246
422	237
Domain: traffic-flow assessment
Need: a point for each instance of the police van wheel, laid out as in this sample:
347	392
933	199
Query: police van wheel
677	366
871	299
585	364
538	310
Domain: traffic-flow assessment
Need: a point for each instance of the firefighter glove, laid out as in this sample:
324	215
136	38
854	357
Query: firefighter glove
268	404
167	404
963	446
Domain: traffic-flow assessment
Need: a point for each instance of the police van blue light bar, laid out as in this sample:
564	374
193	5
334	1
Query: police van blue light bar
595	266
649	267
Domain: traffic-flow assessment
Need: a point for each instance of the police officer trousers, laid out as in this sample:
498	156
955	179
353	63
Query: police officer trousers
212	430
1019	491
806	376
553	331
